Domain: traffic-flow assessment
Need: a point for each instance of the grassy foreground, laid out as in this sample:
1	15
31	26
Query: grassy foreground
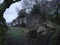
16	31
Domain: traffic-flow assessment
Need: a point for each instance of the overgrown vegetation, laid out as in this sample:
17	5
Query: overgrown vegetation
45	12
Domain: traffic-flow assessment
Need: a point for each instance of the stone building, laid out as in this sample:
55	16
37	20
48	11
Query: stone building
35	19
32	19
29	20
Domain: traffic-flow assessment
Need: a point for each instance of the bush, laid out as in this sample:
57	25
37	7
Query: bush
55	40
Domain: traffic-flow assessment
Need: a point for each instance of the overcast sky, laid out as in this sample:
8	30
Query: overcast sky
1	1
12	12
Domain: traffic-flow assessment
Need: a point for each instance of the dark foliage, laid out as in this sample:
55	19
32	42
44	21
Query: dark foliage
36	9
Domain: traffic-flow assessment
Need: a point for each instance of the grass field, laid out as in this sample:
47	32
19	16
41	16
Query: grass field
16	31
16	36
